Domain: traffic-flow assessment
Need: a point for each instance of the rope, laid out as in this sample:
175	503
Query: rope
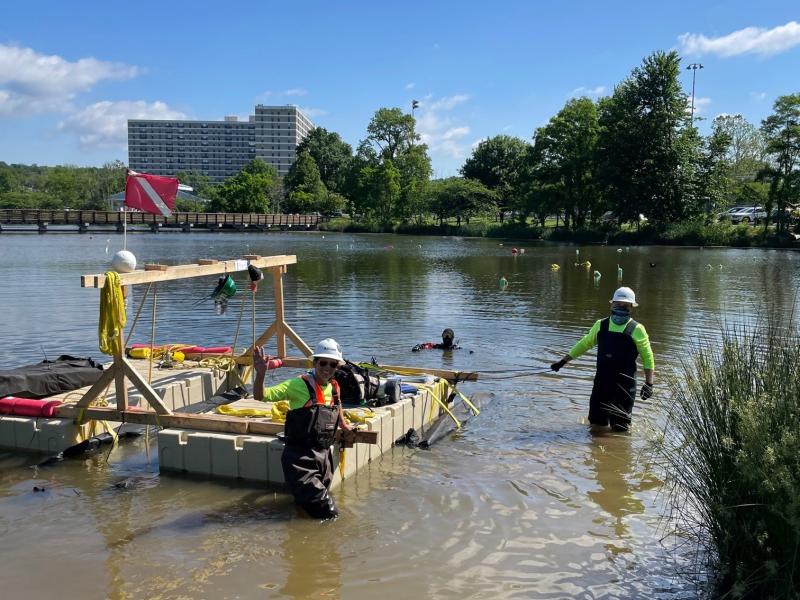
112	314
152	338
138	312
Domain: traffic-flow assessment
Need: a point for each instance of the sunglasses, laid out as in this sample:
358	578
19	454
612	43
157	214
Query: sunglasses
328	363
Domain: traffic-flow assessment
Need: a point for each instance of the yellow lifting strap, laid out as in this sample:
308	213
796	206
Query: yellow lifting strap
112	314
441	404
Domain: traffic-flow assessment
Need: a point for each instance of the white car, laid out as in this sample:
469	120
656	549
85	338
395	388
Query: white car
750	214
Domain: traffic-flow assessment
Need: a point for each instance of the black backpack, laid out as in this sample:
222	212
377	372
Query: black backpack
356	384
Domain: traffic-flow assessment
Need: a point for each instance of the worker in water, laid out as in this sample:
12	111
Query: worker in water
448	343
619	340
315	413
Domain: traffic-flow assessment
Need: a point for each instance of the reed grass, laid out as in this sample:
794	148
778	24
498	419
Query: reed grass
730	451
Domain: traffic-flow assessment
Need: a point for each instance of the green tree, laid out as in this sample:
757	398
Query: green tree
460	198
644	159
392	132
251	190
747	150
497	163
414	167
331	155
782	133
304	175
564	158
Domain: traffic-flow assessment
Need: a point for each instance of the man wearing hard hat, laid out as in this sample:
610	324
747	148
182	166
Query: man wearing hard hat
619	340
315	413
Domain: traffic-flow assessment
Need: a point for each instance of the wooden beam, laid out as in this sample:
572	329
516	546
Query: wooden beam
217	423
97	388
187	271
280	321
152	397
305	363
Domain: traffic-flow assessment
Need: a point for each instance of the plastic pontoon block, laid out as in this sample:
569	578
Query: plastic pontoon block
275	469
225	450
170	449
254	458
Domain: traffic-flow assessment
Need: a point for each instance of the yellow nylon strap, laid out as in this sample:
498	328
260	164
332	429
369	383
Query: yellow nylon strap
442	405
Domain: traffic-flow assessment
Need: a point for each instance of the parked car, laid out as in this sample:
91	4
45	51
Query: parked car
726	215
750	214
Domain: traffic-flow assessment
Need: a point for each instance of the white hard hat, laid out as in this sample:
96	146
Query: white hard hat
624	294
328	348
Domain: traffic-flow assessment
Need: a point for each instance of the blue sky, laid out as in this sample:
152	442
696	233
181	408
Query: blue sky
71	73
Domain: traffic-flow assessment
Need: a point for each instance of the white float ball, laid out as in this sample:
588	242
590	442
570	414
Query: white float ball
123	262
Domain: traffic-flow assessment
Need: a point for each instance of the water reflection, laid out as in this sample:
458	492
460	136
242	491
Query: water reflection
312	562
620	482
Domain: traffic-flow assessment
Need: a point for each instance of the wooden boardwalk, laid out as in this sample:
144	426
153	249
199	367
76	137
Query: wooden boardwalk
23	219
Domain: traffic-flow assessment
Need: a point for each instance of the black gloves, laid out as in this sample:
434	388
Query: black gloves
556	366
647	391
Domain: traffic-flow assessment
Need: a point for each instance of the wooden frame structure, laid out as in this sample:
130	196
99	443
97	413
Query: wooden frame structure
121	368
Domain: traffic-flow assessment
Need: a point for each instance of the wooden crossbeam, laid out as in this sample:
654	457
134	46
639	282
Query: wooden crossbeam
305	363
195	270
216	423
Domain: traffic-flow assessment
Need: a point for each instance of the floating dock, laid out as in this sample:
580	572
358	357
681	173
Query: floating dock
182	402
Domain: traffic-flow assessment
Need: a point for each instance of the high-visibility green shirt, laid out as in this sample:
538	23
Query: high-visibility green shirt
639	336
295	391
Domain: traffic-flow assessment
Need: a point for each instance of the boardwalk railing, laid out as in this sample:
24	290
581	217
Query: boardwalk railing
25	216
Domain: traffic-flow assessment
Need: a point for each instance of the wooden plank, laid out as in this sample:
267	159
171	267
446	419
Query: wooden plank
305	363
155	267
277	281
217	423
148	392
187	271
97	388
220	423
298	341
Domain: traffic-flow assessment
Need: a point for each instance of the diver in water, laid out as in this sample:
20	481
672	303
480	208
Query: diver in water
448	343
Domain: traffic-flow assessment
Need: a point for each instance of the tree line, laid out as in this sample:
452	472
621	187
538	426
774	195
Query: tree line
632	156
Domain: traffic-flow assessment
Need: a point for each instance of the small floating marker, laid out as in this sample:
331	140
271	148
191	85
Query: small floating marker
323	237
577	251
652	265
337	247
619	250
597	274
514	251
502	282
587	264
554	267
619	272
522	250
709	267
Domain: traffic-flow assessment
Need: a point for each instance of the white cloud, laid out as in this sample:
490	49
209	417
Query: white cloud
750	40
311	112
31	82
410	86
296	92
700	105
105	124
438	130
760	96
589	92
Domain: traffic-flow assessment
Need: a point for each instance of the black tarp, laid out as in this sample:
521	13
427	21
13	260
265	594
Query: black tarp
49	377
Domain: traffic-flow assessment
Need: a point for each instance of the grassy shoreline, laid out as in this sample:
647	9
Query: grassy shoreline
678	234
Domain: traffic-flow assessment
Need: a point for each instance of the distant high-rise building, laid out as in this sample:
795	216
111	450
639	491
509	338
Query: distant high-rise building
218	149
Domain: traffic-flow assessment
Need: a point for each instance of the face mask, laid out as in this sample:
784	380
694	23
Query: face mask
620	316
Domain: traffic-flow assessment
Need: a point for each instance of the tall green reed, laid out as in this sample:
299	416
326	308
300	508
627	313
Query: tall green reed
730	450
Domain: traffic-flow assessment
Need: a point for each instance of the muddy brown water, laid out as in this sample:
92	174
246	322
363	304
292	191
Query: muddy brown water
524	502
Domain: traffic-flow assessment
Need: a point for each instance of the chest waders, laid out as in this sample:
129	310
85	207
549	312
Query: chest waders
615	380
307	459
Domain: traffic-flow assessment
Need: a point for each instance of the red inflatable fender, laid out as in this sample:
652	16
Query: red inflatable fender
28	407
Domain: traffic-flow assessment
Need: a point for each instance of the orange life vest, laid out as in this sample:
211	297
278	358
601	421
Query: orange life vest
315	391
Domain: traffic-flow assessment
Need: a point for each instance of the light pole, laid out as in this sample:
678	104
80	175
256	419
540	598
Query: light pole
693	68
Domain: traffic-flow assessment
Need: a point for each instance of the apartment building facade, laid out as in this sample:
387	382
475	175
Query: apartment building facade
218	149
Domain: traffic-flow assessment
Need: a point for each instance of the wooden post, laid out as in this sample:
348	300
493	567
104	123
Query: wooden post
277	280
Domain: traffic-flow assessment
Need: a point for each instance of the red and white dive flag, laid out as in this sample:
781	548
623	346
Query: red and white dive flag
151	193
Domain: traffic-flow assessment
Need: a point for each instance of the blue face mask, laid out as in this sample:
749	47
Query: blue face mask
620	316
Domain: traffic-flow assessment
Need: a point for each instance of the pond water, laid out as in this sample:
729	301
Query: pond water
523	502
